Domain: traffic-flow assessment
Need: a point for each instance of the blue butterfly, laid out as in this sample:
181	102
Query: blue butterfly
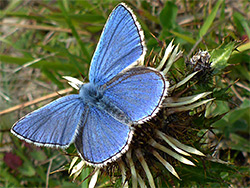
100	119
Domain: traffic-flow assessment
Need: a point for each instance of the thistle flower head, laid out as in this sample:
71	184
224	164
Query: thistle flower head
156	143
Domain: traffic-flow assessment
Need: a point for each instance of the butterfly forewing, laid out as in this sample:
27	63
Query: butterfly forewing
121	44
52	125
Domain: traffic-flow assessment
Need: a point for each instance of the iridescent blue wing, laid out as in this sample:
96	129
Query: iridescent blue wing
52	125
101	138
138	92
121	45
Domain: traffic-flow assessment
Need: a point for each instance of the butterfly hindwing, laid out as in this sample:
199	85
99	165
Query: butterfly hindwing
101	138
52	125
138	92
121	45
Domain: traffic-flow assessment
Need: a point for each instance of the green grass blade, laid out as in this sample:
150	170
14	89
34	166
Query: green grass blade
48	64
74	32
12	5
208	22
239	18
184	37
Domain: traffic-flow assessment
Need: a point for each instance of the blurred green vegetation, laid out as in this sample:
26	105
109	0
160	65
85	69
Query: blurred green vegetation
41	41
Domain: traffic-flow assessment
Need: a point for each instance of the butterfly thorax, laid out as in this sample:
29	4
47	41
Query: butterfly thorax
93	95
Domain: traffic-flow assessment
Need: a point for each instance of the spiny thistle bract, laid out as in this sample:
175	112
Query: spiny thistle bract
157	144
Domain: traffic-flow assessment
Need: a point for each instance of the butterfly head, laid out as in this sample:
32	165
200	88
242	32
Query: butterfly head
91	93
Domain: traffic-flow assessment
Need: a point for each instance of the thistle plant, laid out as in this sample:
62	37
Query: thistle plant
153	143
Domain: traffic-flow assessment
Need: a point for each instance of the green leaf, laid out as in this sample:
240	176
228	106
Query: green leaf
217	108
234	115
239	143
220	56
208	22
168	15
237	114
27	170
38	155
